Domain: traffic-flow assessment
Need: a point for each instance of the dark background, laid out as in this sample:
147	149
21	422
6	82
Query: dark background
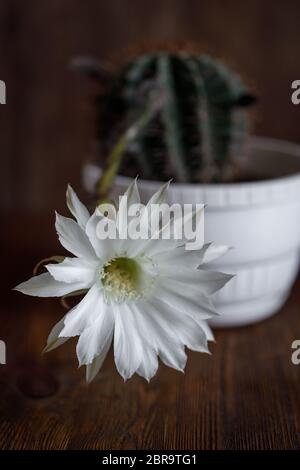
47	123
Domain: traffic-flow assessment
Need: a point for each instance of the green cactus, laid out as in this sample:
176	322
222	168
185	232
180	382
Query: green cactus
199	130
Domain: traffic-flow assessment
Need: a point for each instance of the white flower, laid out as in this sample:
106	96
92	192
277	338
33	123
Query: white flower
149	297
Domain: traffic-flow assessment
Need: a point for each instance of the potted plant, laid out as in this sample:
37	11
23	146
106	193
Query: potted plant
182	115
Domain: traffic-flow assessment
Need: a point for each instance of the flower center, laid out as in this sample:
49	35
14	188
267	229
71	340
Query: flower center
120	278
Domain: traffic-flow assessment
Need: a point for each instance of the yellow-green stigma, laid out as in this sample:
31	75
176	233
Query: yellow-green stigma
120	278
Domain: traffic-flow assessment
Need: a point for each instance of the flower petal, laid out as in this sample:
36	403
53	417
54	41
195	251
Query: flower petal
105	248
185	223
156	246
161	339
53	339
45	286
182	317
73	238
130	197
149	364
186	300
178	257
206	282
158	198
93	368
206	328
182	326
77	209
190	258
210	252
128	349
85	313
74	270
152	207
96	339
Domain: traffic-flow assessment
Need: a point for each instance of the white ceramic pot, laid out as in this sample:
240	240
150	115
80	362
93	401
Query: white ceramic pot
260	219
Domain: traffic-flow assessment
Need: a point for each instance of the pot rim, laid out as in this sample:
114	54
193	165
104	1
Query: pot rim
256	142
273	190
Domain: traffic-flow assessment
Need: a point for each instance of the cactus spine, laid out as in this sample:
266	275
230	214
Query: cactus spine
200	129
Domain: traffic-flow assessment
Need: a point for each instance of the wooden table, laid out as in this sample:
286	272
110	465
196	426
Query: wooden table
245	396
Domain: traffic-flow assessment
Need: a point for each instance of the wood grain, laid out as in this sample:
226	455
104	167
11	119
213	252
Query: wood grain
244	396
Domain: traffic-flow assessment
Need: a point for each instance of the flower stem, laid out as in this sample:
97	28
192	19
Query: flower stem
114	159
